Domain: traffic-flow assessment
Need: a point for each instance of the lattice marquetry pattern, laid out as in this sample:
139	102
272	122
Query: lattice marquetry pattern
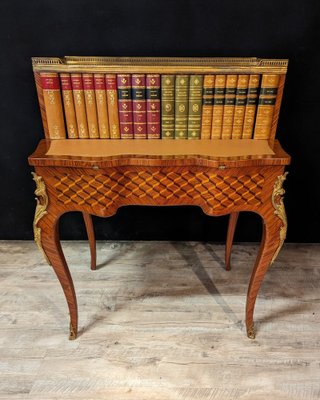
217	191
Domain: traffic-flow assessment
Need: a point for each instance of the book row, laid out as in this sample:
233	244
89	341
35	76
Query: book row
153	106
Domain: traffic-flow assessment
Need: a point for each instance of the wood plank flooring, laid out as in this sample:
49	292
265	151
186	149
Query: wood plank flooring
159	320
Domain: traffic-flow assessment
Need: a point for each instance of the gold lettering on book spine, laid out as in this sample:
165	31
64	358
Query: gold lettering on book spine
41	210
277	202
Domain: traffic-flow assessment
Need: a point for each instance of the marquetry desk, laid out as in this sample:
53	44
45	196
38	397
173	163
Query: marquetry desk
97	176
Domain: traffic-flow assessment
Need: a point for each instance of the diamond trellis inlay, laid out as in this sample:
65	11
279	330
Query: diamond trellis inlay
216	191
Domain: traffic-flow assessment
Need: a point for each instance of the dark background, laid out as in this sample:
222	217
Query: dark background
274	28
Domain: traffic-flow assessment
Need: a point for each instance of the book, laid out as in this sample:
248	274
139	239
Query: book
195	106
91	107
207	106
218	104
181	106
79	105
53	104
167	106
101	102
266	102
112	102
240	106
229	103
251	106
139	106
68	103
153	106
125	106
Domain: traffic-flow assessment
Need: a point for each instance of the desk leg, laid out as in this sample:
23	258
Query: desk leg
92	241
51	246
230	234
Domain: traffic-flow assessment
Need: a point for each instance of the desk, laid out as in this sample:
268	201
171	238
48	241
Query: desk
97	177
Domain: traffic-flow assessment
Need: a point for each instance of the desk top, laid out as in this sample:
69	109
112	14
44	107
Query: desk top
103	153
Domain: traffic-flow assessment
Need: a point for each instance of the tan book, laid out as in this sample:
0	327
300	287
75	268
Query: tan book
102	109
112	101
218	104
240	106
266	102
91	107
207	106
70	113
251	106
79	105
228	109
53	104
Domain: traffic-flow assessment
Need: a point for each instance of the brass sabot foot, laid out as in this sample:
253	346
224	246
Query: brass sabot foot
73	333
251	332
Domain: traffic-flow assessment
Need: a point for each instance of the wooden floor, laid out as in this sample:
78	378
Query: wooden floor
159	320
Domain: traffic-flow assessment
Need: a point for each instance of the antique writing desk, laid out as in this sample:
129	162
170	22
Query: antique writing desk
97	176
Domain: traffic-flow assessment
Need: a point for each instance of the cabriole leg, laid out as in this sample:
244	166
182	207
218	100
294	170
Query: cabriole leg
230	234
91	237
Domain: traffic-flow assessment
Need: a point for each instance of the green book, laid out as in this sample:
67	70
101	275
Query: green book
181	107
167	106
195	106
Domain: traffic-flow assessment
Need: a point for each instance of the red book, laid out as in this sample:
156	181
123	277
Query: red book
139	106
125	106
153	106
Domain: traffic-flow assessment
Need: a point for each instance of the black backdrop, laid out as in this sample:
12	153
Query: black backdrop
274	28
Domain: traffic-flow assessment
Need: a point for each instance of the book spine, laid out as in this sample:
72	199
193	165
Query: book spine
240	106
167	106
79	105
251	106
218	104
266	102
181	107
102	109
112	101
195	106
70	114
53	104
139	106
91	107
229	103
153	106
207	106
125	106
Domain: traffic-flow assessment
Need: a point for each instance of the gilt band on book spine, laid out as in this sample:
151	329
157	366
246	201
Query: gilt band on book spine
52	100
68	103
153	106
